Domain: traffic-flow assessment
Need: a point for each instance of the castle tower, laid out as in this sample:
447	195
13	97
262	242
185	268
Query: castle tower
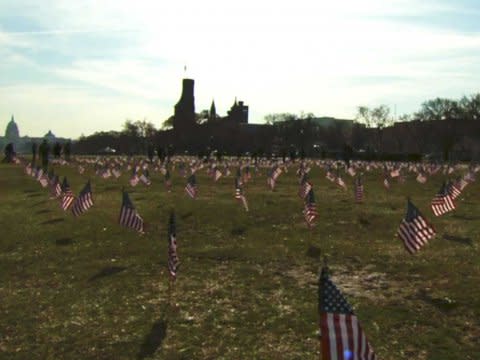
212	115
184	115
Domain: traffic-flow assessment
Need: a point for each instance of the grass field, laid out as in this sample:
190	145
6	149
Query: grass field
86	288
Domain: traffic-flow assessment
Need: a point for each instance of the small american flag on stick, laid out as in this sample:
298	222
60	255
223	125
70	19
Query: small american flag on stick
191	187
305	186
84	201
67	195
342	336
128	214
239	195
358	189
414	229
442	203
310	210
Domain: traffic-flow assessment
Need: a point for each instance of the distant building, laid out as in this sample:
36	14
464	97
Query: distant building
23	144
184	115
11	132
238	113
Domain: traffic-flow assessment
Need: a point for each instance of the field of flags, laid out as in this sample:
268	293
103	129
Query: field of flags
241	259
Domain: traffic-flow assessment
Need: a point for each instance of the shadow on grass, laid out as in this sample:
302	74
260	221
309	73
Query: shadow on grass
64	241
314	252
465	217
153	340
52	221
40	203
44	211
238	231
110	188
444	304
186	215
108	271
139	198
458	239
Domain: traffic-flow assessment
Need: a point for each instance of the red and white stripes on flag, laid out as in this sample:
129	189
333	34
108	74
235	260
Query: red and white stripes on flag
191	187
386	183
129	216
310	209
421	178
442	203
454	189
414	229
67	195
358	190
239	195
305	187
342	337
217	174
145	179
84	201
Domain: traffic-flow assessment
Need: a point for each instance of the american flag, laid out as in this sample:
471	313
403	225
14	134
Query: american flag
310	210
394	173
351	171
117	173
461	183
134	179
454	189
239	195
145	178
342	335
386	183
305	186
129	216
442	203
358	190
191	187
28	169
339	181
217	174
276	173
84	201
67	195
330	176
414	229
421	178
270	180
43	180
56	188
173	262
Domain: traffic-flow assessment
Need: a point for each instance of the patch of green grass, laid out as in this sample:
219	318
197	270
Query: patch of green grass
86	288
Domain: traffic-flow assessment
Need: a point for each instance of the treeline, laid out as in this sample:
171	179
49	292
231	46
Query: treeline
442	128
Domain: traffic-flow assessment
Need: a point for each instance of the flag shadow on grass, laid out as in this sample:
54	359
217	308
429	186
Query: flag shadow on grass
44	211
153	340
458	239
107	271
64	241
52	221
465	217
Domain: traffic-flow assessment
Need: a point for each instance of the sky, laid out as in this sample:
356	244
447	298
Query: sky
77	67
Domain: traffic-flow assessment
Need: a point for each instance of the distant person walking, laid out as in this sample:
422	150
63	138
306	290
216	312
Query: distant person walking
44	150
34	153
9	153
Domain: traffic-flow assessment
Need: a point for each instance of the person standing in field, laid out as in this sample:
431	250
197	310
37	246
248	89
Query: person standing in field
44	150
34	153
